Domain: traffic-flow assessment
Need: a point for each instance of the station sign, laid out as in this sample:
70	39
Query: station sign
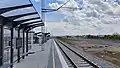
18	43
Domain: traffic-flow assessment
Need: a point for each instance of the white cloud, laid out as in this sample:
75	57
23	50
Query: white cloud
54	5
96	15
64	28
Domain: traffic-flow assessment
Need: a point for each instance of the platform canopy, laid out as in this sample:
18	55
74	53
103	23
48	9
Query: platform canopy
16	12
37	33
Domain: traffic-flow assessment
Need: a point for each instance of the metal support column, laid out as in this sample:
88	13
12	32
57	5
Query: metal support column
27	43
18	50
1	45
11	53
42	42
23	44
43	39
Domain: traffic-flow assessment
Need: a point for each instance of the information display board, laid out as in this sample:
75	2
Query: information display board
18	43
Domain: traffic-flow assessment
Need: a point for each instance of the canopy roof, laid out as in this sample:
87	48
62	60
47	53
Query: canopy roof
17	12
37	33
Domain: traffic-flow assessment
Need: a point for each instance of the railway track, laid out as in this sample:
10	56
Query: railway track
73	59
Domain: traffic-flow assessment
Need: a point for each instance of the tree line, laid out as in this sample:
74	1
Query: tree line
110	37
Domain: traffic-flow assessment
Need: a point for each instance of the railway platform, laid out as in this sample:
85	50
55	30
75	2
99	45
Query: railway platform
57	54
45	56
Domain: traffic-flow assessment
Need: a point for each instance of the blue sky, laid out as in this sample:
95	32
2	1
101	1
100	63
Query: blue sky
96	16
51	16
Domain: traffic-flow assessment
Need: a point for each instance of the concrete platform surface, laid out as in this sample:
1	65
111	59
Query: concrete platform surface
45	56
37	60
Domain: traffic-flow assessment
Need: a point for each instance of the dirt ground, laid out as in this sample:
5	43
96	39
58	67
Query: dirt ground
105	52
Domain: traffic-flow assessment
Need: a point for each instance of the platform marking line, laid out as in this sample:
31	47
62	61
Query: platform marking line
62	60
53	60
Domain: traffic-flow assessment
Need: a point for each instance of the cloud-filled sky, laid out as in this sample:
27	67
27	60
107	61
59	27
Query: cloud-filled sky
95	17
78	16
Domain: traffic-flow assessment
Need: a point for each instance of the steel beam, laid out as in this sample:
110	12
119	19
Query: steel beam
18	50
1	45
28	28
23	43
3	10
37	33
27	43
21	15
22	21
4	21
27	25
11	45
25	20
